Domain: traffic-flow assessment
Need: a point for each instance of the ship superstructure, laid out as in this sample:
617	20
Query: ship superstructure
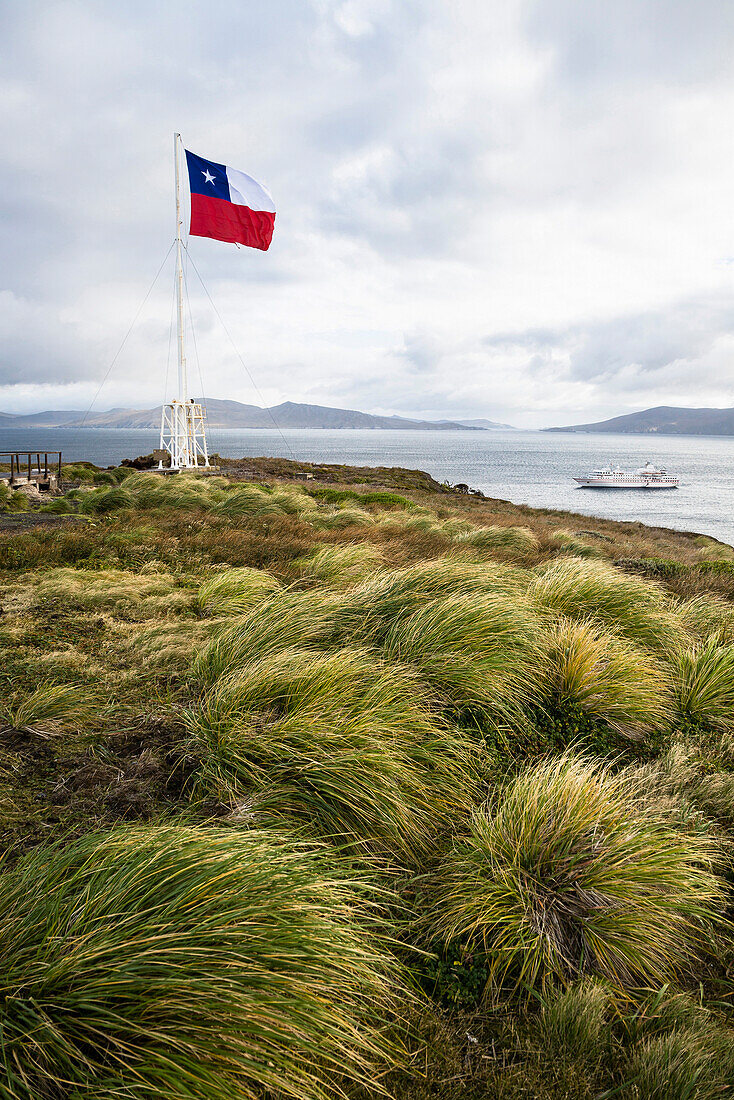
647	477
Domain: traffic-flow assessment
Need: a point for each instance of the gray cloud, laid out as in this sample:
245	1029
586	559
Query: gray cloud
496	210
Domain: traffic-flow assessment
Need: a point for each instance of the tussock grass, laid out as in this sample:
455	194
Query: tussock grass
511	541
340	566
248	500
566	877
683	784
705	616
703	683
49	709
569	543
342	518
474	648
573	1023
454	527
286	620
594	590
380	599
235	591
13	500
294	502
190	962
685	1064
340	741
168	645
102	501
142	595
607	677
418	520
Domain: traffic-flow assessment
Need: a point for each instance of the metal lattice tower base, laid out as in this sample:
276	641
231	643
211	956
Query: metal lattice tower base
183	435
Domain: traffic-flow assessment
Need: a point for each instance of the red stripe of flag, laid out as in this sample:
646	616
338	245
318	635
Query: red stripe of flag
226	221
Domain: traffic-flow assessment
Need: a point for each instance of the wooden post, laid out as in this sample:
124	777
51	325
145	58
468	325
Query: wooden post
29	467
59	479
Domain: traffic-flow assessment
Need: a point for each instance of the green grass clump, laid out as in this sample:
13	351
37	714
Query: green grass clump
235	591
78	471
135	594
565	876
378	600
285	620
573	1025
336	740
248	500
597	591
102	501
342	518
568	543
12	500
293	502
606	676
339	566
189	962
706	616
59	506
513	541
476	649
49	709
685	1064
703	683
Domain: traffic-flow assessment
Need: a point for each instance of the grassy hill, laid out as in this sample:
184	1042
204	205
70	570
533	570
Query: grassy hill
356	786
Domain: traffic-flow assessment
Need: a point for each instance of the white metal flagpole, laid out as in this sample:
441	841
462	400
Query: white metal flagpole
182	380
183	433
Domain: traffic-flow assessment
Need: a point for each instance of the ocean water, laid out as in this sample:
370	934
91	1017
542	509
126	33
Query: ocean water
532	468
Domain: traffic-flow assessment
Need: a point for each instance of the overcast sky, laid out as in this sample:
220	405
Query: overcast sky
504	208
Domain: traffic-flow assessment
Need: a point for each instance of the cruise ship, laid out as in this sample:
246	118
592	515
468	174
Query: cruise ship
648	477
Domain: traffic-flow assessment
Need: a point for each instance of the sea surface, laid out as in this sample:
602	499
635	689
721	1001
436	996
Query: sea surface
532	468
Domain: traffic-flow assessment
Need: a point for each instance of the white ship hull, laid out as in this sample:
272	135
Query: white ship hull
629	482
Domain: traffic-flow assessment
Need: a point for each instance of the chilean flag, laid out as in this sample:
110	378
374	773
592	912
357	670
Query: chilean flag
229	205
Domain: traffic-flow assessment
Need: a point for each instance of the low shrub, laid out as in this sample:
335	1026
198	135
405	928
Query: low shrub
190	962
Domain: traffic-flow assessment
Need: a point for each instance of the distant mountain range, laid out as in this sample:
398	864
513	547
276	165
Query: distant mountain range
233	414
664	420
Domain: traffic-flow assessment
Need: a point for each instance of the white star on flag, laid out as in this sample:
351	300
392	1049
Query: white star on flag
209	178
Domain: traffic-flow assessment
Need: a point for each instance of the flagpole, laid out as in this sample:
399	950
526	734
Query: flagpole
183	431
